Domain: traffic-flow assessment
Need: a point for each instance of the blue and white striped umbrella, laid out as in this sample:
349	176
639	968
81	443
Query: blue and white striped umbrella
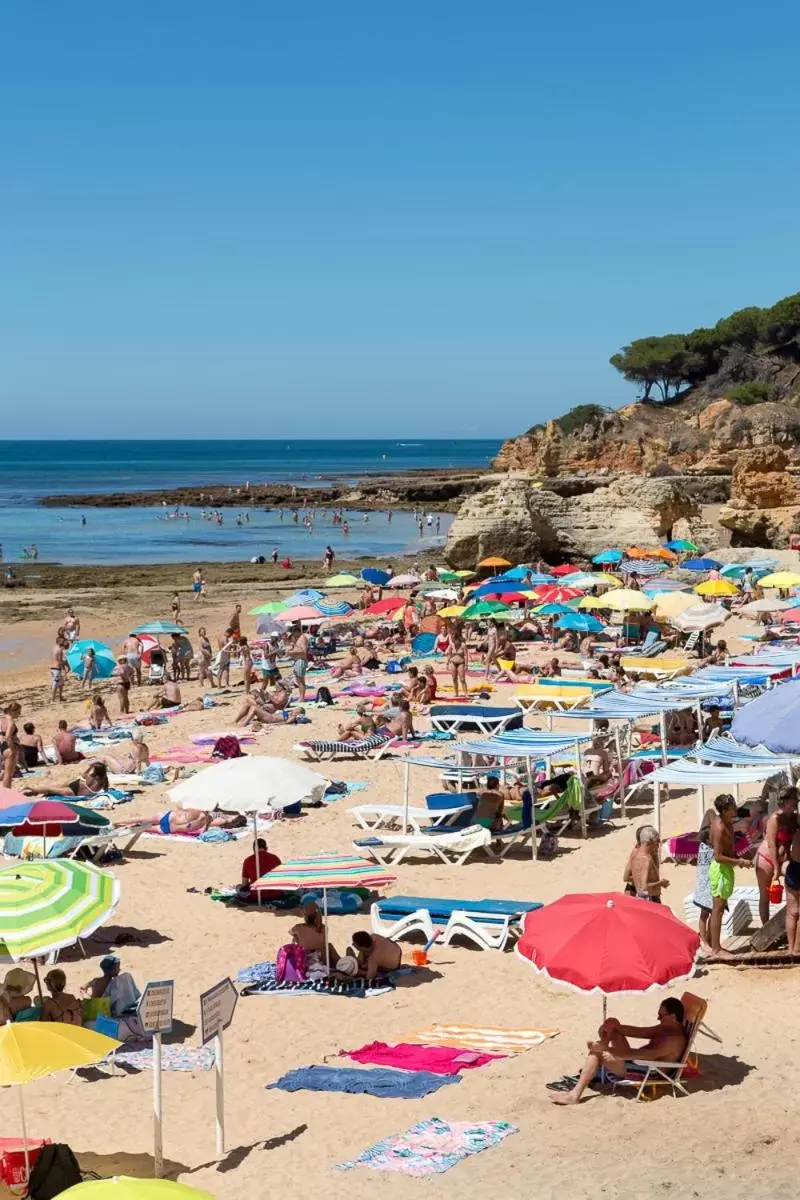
645	568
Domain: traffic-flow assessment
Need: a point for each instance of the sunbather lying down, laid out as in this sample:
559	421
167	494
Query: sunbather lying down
254	713
665	1042
190	821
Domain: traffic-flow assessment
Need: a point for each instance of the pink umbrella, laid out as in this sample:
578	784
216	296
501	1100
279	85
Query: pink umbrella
399	581
300	612
790	616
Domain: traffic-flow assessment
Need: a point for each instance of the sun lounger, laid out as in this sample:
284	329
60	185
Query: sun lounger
648	1076
535	696
447	847
97	844
475	718
662	666
557	810
373	747
483	920
379	816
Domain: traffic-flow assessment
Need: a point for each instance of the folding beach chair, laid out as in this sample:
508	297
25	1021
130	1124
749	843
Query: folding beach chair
649	1076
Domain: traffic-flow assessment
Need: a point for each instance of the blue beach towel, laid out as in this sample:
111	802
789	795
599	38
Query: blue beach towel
382	1082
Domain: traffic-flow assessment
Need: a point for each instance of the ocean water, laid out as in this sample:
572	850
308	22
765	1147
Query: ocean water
30	470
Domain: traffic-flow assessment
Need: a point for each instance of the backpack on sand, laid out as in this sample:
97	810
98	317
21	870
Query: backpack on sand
55	1170
291	964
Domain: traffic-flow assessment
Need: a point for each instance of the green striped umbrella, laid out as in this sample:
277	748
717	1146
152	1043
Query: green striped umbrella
45	905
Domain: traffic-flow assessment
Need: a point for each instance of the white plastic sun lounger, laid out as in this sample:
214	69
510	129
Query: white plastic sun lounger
447	847
98	843
384	816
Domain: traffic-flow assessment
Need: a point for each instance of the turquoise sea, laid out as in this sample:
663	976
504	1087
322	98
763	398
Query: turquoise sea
30	470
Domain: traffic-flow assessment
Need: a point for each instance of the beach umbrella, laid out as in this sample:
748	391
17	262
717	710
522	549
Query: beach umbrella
123	1187
403	581
46	818
790	617
669	604
517	573
608	944
496	587
376	575
552	610
700	564
580	623
454	610
656	587
772	720
645	568
105	659
589	579
759	566
781	579
306	596
681	546
300	612
593	601
494	562
553	593
383	607
717	587
766	605
627	600
323	872
149	644
333	608
443	594
608	556
158	627
343	581
453	576
506	597
483	608
47	904
266	625
564	569
700	617
269	609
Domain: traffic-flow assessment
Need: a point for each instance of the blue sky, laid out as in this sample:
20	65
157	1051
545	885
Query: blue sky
432	218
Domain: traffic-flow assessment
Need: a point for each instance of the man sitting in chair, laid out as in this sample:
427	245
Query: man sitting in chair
666	1042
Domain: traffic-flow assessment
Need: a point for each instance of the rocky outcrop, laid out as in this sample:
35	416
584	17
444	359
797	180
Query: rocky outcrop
764	507
520	519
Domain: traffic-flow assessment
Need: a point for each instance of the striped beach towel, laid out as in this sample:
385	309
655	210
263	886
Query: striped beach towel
489	1039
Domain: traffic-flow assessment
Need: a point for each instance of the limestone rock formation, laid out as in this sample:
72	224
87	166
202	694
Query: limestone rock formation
764	507
519	520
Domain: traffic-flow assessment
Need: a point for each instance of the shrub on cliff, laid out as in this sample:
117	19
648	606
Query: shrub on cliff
754	392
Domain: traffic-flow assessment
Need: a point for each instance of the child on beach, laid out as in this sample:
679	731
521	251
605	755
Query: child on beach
89	660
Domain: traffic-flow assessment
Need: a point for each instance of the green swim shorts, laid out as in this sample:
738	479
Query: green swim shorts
720	878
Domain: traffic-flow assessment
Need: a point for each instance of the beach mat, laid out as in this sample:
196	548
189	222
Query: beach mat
441	1060
489	1039
380	1081
352	988
431	1147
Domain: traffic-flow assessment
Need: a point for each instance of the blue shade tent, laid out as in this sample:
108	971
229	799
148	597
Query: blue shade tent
724	749
700	564
772	721
608	556
104	658
376	575
157	627
580	623
687	774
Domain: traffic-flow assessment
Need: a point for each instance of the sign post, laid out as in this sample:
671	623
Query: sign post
155	1016
217	1007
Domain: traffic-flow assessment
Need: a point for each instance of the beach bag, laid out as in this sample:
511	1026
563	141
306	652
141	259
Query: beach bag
324	696
56	1170
393	667
92	1009
291	964
548	845
227	747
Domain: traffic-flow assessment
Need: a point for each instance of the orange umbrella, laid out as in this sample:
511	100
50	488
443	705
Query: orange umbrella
494	562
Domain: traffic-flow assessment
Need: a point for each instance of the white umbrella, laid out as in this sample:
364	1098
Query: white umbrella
400	581
248	785
700	616
443	594
765	606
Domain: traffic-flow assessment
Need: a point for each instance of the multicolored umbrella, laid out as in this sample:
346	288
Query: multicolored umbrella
483	608
325	871
680	546
158	627
46	905
553	593
609	944
104	663
46	816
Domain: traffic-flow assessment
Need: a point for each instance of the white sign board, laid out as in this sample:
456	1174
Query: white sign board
155	1006
217	1007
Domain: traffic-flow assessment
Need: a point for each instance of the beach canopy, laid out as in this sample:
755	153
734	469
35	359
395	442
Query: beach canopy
781	579
725	749
717	587
375	575
772	720
104	663
701	564
249	784
123	1187
337	581
683	772
324	871
159	627
494	562
382	608
580	623
47	904
609	944
608	556
269	609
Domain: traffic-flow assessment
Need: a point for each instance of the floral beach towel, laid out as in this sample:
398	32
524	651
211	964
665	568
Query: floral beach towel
431	1147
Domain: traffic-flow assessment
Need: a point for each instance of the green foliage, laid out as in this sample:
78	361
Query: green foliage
741	328
754	392
781	323
664	363
582	414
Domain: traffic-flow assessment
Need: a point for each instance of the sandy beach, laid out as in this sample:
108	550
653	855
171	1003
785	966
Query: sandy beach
166	928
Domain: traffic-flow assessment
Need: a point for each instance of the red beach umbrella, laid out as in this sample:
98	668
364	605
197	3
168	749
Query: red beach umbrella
608	943
554	593
381	607
564	569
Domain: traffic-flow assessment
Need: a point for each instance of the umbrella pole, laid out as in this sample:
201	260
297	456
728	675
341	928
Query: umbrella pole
325	918
406	789
38	981
532	790
605	1008
255	849
618	744
656	808
24	1138
662	721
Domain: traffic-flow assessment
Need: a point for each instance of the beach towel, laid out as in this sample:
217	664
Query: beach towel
173	1058
491	1039
358	988
441	1060
381	1082
431	1147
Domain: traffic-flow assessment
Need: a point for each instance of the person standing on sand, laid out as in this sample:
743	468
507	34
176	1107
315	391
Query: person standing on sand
720	872
58	666
204	657
133	653
9	741
197	583
72	626
176	608
299	653
89	660
227	644
235	621
122	679
247	663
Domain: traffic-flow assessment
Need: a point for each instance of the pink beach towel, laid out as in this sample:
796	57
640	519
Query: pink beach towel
442	1060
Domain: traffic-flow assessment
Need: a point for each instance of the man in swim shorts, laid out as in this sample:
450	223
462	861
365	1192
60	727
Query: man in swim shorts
58	665
299	653
720	870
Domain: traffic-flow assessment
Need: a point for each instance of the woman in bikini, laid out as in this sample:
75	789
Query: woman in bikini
774	850
792	881
457	658
60	1005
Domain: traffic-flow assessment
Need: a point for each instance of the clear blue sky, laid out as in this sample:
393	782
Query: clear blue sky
433	218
